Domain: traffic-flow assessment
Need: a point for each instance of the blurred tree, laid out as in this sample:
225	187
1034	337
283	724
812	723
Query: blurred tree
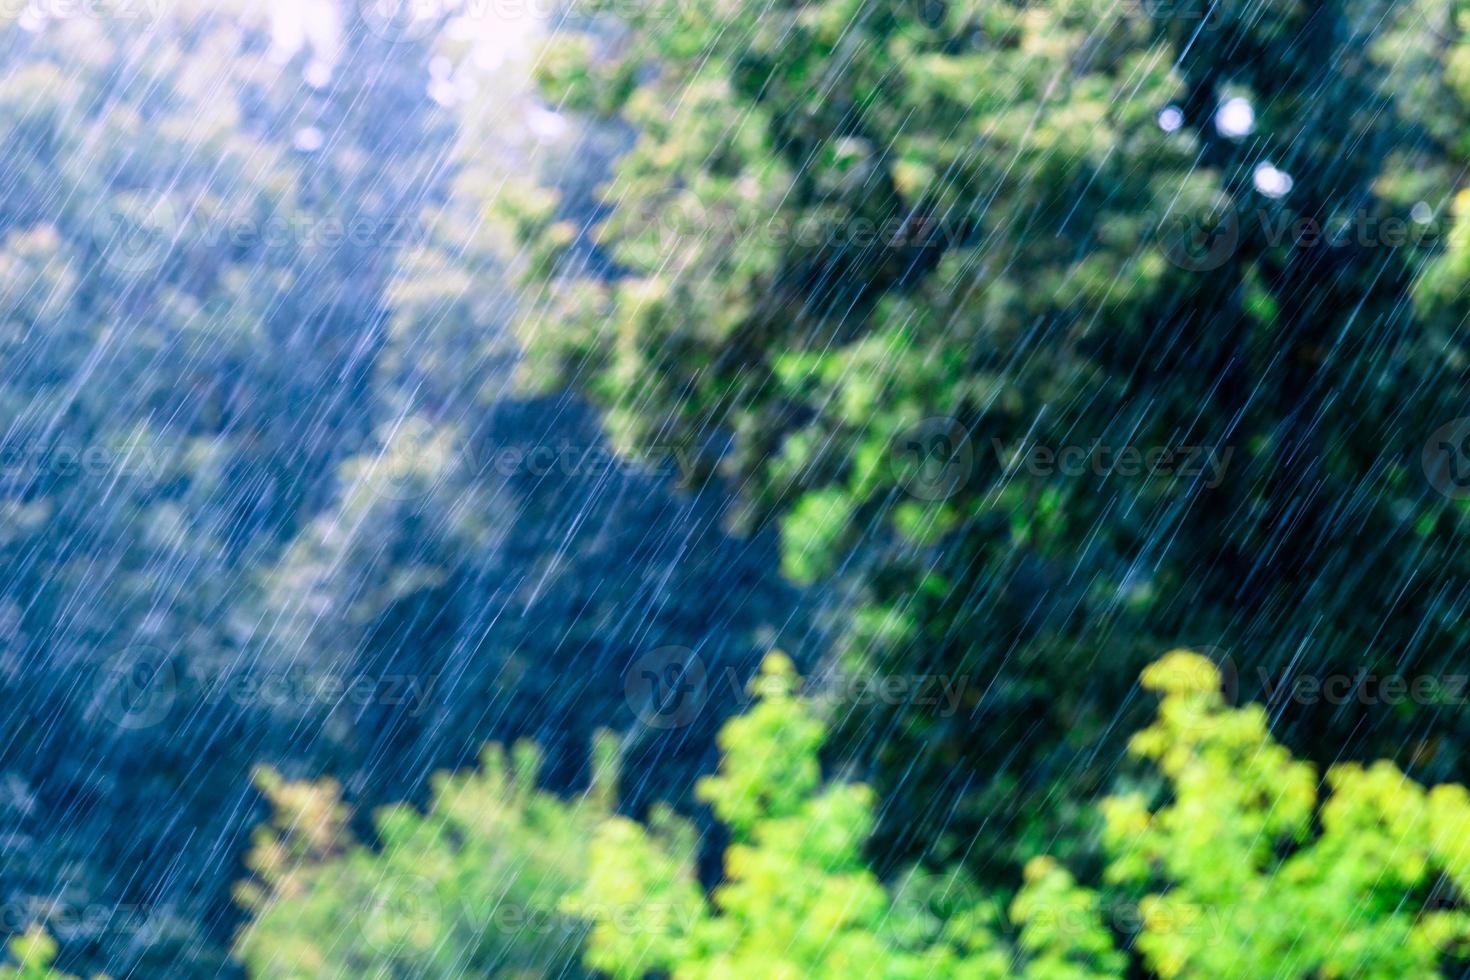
261	496
493	548
195	243
516	570
32	954
1222	862
469	888
797	898
1057	329
1252	877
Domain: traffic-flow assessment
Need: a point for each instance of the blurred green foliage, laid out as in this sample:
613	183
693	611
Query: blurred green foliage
469	888
1228	864
797	898
1236	871
183	309
264	490
884	266
31	955
1249	874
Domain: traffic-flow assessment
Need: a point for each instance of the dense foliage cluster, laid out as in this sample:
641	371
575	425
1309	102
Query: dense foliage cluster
31	956
1230	866
1067	330
472	887
1037	337
175	347
264	490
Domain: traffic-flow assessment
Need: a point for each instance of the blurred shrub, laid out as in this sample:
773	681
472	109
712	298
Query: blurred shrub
31	955
471	887
888	267
1223	862
1238	872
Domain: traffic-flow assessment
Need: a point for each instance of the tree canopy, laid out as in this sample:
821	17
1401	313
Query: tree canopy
1221	860
360	407
1063	331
